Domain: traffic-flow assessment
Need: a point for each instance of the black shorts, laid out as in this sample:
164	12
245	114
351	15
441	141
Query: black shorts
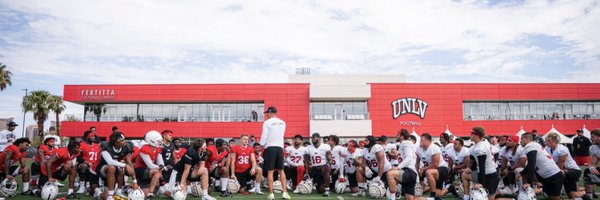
103	176
352	182
36	170
571	179
491	181
443	176
334	178
92	177
189	178
143	177
244	177
58	176
318	174
552	185
587	179
409	180
383	178
13	170
273	158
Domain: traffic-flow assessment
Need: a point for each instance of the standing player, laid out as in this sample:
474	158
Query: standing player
88	161
148	168
244	166
272	139
179	149
62	164
486	175
316	161
17	151
591	175
561	156
334	161
218	164
540	164
111	168
295	160
44	153
435	169
350	157
191	168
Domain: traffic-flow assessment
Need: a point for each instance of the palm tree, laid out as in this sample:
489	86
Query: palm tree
57	106
97	109
4	77
38	102
72	118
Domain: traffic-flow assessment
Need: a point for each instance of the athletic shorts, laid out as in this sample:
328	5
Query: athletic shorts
409	180
352	182
14	170
58	175
244	177
36	170
552	185
491	181
143	177
383	178
273	158
586	178
317	174
443	176
571	179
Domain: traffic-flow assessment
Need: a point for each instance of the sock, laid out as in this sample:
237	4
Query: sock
224	184
25	186
392	196
111	193
326	189
466	197
362	186
119	191
69	191
82	184
204	192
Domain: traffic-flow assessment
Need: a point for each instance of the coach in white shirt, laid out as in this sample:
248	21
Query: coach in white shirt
272	139
7	136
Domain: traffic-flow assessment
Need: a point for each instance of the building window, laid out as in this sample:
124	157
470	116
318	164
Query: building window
346	110
190	112
531	110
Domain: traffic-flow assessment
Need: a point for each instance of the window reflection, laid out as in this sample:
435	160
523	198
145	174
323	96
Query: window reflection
353	110
531	110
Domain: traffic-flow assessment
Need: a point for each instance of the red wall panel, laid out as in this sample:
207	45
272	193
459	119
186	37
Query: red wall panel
292	101
446	106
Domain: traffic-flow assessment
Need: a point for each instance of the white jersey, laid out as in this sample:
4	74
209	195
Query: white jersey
371	158
349	158
459	157
446	150
427	155
6	138
335	153
406	155
512	157
562	151
595	150
295	156
318	156
483	148
544	165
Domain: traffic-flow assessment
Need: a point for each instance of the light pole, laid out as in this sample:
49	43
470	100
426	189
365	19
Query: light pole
23	129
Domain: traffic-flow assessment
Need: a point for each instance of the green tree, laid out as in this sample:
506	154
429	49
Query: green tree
37	102
4	77
72	118
56	105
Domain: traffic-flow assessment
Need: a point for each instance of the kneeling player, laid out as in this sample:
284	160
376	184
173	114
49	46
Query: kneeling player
148	169
435	169
44	153
350	157
295	160
110	167
190	168
218	165
88	161
591	175
13	153
244	166
540	164
487	175
406	174
378	168
316	163
62	165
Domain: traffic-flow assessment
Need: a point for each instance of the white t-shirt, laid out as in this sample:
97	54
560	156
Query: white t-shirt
295	156
335	153
459	157
446	150
483	148
6	137
349	158
561	151
406	155
544	165
318	156
273	133
371	158
512	157
427	155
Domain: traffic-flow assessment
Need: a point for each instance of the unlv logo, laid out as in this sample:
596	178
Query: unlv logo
409	106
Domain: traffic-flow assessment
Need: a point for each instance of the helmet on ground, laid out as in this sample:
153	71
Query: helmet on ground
479	194
305	186
196	189
340	187
377	189
49	191
177	193
233	186
277	187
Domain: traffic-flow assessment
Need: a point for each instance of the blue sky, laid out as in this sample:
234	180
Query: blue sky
52	43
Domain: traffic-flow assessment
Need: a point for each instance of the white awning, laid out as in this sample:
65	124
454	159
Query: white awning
563	139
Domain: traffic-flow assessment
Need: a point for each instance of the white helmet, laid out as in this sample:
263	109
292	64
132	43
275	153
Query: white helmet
49	191
377	189
526	194
154	138
98	192
340	187
8	188
163	189
479	194
233	186
196	189
136	194
277	187
305	186
177	193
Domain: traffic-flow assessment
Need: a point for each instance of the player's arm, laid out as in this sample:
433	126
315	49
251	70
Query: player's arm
232	163
562	162
49	166
451	162
307	161
41	154
594	164
504	163
530	167
381	160
465	163
329	157
254	164
418	163
7	157
435	161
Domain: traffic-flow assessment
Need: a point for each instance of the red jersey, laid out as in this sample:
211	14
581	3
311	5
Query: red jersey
147	149
90	153
48	153
179	154
16	155
136	153
242	158
62	156
214	156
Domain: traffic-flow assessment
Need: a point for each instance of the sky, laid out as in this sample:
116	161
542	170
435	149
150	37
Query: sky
47	44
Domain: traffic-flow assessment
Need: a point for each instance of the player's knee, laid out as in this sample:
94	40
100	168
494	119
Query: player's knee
111	169
430	172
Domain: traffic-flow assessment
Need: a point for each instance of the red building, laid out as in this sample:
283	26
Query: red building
229	110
